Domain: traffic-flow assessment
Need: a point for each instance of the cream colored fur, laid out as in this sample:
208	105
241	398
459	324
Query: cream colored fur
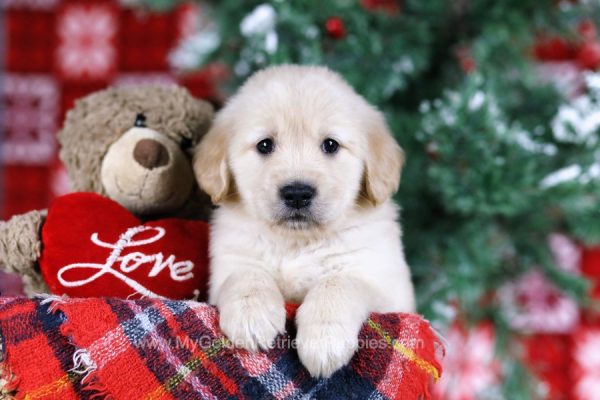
346	264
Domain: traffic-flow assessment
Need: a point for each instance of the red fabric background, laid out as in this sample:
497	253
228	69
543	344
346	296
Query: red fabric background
57	51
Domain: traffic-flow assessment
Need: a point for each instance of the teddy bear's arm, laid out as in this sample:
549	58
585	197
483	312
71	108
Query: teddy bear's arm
20	249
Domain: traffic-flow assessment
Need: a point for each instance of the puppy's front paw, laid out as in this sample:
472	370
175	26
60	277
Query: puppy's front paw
253	322
325	347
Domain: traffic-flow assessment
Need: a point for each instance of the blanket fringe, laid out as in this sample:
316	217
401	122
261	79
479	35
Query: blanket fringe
417	380
83	364
54	300
8	382
100	391
436	353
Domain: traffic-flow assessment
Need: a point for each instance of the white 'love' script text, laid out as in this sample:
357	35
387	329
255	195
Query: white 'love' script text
119	265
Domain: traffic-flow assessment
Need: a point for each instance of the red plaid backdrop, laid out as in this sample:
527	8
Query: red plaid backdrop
57	51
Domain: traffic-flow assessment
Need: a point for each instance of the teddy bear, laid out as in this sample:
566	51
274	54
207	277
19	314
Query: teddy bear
133	146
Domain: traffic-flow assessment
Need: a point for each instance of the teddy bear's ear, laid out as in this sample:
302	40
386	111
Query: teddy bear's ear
211	165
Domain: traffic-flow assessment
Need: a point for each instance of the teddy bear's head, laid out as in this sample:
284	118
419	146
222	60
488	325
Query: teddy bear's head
134	145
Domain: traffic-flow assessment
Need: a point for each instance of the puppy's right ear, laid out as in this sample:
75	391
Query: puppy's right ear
210	163
383	163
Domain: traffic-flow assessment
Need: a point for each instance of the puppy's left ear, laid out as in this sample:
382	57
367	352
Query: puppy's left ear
210	163
384	161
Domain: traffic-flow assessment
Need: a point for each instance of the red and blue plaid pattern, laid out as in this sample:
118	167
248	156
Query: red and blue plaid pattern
152	349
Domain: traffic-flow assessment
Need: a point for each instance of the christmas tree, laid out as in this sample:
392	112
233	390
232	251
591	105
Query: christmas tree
497	106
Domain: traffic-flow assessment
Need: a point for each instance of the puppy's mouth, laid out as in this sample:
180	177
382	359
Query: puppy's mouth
298	220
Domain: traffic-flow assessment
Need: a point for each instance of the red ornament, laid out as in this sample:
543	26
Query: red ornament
465	59
335	28
588	56
553	49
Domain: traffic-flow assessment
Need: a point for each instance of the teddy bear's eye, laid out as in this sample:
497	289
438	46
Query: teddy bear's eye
186	143
140	120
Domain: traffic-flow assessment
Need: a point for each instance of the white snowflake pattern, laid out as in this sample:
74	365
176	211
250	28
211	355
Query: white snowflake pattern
469	366
587	358
29	4
31	105
534	304
86	41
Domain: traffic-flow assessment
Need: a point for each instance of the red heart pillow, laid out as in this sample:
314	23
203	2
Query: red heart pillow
94	247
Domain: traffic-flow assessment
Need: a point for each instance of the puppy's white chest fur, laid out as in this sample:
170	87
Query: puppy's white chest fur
301	265
367	249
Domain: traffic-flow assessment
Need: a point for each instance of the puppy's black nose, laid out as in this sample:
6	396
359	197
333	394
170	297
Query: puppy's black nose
297	195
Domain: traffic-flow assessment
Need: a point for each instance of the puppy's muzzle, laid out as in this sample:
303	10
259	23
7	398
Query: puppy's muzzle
297	195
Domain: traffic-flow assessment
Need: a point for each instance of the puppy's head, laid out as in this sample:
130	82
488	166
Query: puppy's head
297	147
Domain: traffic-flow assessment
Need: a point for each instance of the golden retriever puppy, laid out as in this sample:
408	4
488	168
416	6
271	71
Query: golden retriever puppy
303	170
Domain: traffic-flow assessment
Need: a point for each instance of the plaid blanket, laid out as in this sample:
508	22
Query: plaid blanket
64	349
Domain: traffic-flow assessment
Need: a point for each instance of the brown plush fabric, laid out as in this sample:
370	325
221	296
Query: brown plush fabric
20	248
99	119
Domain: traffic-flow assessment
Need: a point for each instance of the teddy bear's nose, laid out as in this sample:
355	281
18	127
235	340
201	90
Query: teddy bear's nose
150	154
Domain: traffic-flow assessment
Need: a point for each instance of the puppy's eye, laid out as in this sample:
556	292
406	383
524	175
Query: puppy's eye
265	146
330	146
186	143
